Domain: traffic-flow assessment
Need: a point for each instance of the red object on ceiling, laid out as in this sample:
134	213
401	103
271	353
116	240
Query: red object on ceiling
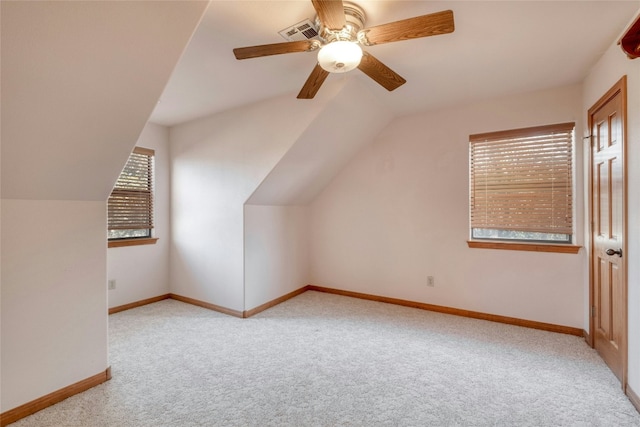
630	41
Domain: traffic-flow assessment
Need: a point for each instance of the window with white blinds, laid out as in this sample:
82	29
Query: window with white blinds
130	205
521	184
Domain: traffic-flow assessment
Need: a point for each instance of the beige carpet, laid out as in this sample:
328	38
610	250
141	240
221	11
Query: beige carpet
327	360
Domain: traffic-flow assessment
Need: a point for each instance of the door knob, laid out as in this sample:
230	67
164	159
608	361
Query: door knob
614	252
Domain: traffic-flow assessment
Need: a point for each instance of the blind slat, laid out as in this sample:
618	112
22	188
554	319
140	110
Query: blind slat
130	205
521	180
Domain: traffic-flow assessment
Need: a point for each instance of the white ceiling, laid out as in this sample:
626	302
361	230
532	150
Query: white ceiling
498	48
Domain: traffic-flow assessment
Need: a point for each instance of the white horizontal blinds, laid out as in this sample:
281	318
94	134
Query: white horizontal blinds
130	205
521	179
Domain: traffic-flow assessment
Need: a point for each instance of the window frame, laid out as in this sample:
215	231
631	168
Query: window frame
145	214
519	137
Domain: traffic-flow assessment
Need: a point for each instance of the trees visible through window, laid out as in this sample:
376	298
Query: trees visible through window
130	205
521	184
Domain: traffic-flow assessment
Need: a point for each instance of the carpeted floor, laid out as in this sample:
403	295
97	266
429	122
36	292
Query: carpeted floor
327	360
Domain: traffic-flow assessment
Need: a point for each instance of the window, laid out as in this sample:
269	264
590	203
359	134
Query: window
130	205
521	184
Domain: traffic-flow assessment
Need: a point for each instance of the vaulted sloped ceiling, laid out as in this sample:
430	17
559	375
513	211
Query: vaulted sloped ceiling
79	81
498	48
349	121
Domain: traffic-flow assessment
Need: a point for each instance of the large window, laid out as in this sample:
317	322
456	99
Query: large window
130	206
521	184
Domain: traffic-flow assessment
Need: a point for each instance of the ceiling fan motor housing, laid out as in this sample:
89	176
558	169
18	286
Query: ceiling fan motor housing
355	20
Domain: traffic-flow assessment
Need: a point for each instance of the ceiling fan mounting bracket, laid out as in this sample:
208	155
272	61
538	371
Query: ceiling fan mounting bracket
314	45
362	38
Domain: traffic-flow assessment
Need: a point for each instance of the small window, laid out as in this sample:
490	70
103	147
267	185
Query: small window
521	184
130	205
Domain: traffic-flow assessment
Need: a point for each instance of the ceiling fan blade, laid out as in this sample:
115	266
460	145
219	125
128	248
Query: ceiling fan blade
331	13
313	83
274	49
379	72
412	28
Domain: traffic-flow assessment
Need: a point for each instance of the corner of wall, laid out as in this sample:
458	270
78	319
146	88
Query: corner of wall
276	241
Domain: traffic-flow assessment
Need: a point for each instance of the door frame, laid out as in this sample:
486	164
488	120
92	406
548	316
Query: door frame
619	87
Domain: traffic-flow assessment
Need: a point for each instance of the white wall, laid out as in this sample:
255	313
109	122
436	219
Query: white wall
142	272
216	163
611	67
79	81
54	322
276	252
274	153
398	213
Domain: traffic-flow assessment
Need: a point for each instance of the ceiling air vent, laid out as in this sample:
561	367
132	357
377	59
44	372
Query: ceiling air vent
304	30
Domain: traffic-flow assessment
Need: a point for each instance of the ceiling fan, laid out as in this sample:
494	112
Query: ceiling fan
342	35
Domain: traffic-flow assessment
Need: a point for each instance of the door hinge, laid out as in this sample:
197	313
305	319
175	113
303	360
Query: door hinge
593	311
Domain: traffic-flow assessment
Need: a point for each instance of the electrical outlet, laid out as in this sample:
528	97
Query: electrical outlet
430	281
112	284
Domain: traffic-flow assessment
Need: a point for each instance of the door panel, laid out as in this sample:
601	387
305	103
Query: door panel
603	300
616	290
608	278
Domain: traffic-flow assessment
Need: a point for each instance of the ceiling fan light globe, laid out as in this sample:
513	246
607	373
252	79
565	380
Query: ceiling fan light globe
340	56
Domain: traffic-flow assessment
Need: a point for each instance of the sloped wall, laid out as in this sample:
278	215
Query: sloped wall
276	257
240	180
79	81
349	122
216	163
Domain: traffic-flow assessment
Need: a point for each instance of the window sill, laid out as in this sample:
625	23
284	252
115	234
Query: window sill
533	247
132	242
